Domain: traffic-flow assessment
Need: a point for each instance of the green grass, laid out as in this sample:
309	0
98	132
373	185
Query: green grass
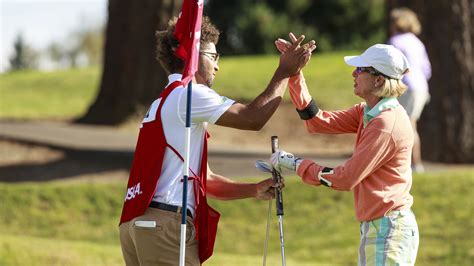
28	250
328	77
67	94
75	223
50	95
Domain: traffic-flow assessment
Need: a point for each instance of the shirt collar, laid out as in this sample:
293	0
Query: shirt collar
384	104
174	77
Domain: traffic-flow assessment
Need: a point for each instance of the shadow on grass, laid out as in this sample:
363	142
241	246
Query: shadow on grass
73	163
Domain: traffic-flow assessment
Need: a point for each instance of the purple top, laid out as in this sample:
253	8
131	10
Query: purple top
415	51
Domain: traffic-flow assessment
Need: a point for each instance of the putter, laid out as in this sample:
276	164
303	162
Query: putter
265	167
279	202
268	168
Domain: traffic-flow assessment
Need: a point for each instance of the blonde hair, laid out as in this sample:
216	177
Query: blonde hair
405	20
391	88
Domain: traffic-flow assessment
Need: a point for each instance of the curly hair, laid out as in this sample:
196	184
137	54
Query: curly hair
166	44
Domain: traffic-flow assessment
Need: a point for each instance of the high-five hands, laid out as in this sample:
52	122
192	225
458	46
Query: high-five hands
295	55
282	159
283	45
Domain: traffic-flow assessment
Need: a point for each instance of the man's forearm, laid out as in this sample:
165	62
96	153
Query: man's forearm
291	63
256	114
222	188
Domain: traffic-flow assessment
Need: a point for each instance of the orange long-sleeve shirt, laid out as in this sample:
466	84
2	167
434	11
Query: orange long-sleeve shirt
379	170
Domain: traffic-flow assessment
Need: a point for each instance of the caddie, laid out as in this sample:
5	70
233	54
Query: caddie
379	171
150	221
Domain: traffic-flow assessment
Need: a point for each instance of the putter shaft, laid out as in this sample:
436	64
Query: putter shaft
282	240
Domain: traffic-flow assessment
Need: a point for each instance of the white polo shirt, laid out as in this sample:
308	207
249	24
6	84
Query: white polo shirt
206	107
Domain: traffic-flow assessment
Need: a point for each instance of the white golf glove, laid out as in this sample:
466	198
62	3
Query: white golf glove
282	159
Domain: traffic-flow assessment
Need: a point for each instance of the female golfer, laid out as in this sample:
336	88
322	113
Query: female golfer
379	171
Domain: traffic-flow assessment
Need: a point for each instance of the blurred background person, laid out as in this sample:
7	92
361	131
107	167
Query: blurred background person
404	28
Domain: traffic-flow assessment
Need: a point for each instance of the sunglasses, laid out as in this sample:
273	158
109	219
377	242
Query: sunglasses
213	56
369	70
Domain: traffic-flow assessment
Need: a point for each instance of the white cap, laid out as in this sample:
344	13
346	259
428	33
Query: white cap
386	59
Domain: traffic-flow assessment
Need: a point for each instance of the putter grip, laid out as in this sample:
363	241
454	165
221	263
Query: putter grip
277	177
274	143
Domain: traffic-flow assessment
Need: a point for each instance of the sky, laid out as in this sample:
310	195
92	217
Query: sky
43	21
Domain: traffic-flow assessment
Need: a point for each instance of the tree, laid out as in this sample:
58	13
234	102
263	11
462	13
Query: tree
24	56
447	123
131	76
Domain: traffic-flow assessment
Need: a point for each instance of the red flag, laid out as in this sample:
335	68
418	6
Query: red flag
188	34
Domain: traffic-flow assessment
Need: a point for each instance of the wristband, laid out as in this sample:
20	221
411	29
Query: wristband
325	171
309	112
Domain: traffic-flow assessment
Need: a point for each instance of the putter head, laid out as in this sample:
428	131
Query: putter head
263	166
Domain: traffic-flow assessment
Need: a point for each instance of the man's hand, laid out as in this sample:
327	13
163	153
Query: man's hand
266	189
295	56
285	46
282	45
282	159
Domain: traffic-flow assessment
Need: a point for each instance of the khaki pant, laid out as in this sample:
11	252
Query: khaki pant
158	245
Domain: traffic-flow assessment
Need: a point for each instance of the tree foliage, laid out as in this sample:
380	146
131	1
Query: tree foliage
24	56
84	42
91	42
251	26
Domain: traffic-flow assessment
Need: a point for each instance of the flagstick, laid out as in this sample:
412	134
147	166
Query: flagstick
182	250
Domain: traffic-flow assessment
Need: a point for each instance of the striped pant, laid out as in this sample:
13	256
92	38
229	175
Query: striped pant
390	240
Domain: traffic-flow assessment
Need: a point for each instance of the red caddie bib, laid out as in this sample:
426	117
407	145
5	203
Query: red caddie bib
145	173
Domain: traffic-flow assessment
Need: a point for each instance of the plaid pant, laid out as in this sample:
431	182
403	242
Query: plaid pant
390	240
